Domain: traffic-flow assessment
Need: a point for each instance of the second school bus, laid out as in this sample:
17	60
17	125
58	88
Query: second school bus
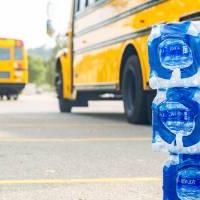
13	67
107	51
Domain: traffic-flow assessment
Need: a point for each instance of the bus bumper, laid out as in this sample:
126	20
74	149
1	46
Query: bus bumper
9	89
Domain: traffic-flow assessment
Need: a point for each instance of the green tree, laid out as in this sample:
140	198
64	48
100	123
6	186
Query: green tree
42	63
51	64
50	72
37	70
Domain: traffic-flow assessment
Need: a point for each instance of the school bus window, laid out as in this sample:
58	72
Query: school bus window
86	3
90	2
83	4
4	54
18	53
77	5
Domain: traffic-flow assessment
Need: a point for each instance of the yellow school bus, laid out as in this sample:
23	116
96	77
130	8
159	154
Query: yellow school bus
13	67
107	51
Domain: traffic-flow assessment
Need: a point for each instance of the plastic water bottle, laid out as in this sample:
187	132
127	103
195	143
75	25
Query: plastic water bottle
174	55
176	120
169	178
188	178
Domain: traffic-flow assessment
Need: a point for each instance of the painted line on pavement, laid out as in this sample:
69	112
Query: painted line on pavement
136	180
71	140
62	125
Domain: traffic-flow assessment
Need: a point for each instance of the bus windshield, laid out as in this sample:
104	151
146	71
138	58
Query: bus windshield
4	54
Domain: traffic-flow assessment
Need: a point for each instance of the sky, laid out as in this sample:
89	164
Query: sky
26	20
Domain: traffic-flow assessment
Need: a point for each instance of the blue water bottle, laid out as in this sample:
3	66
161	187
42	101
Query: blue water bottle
188	177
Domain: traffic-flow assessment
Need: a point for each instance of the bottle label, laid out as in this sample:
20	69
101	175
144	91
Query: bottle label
188	182
175	53
177	118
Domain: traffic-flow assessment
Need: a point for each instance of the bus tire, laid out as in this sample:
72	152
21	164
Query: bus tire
134	97
15	97
65	105
8	97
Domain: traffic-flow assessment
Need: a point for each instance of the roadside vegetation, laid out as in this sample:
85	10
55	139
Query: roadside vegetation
42	66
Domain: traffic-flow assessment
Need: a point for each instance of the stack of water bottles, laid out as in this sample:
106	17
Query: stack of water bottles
174	57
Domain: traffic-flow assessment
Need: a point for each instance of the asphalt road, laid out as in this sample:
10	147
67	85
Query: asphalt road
91	154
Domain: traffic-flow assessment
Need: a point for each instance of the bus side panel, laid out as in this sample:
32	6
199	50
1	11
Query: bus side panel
97	51
91	68
111	74
111	9
101	65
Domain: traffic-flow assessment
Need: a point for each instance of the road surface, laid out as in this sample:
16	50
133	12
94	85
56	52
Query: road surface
91	154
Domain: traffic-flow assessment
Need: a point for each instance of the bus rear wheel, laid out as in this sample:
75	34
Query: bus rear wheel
8	97
65	105
134	97
15	97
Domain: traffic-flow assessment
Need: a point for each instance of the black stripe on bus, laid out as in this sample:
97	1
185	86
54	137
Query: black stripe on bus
120	16
120	39
192	16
